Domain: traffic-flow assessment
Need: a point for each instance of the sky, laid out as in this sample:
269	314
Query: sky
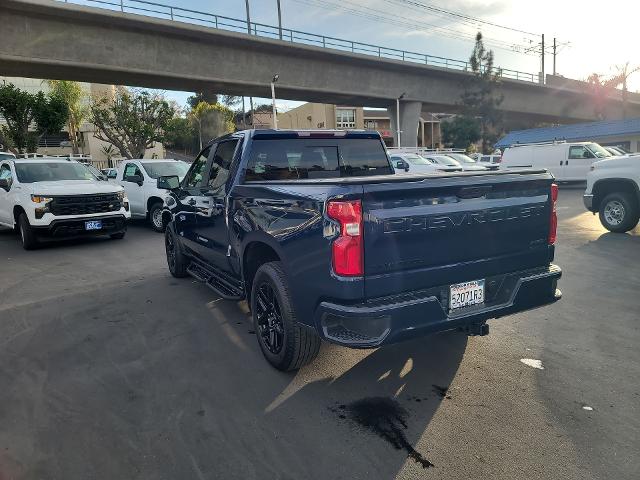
593	36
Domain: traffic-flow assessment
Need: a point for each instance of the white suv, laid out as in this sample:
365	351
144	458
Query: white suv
140	180
54	199
613	190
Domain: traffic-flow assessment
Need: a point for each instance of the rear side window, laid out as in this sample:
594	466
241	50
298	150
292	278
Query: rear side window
308	158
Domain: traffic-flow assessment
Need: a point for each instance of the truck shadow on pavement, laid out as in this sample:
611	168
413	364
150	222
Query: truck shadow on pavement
159	379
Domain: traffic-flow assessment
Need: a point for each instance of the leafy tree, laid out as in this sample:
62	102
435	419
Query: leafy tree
211	119
231	100
109	151
20	109
482	98
74	96
132	121
461	132
198	97
180	133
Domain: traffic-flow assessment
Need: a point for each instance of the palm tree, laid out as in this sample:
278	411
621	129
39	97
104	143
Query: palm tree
74	96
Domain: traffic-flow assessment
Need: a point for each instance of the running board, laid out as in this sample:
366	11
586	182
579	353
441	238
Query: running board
221	283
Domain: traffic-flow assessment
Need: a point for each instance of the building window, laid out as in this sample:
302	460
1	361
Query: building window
371	125
345	118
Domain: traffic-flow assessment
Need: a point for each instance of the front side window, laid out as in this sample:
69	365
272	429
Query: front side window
51	172
579	152
345	118
221	165
130	170
195	175
5	172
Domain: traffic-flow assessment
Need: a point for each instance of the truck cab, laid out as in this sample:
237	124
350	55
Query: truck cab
139	179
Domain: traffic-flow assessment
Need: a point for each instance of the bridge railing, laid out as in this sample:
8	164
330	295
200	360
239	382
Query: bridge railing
170	12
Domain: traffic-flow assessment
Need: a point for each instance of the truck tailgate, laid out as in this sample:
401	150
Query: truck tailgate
438	231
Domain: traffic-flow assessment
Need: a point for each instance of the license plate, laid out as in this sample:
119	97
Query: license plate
466	294
93	225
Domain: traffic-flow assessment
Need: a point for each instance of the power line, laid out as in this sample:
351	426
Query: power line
462	16
398	20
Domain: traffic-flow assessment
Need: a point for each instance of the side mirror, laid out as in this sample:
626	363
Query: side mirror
168	182
135	179
112	175
4	184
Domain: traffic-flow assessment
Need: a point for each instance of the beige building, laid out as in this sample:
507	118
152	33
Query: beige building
60	144
318	115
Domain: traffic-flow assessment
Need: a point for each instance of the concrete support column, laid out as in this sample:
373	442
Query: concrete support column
409	120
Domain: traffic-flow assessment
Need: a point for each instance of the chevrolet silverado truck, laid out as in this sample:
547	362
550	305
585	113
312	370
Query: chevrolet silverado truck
57	199
324	241
613	192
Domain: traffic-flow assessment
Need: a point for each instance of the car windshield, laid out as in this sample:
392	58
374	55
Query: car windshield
461	158
598	151
161	169
416	160
96	173
52	172
442	160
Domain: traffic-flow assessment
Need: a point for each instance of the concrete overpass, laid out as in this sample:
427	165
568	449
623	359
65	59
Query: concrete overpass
46	39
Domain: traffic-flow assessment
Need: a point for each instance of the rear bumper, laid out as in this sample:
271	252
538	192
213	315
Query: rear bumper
65	229
587	199
414	314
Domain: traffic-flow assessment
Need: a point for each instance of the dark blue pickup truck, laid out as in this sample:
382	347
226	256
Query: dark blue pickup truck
316	231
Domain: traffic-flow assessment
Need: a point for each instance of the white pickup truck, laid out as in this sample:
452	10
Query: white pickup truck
55	199
139	179
613	191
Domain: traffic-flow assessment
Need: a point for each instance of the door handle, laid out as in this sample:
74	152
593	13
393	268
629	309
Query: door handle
192	201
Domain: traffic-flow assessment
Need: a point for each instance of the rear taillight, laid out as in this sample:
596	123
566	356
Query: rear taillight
348	247
553	217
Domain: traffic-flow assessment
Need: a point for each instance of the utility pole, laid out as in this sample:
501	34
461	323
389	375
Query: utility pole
253	113
398	131
554	56
246	2
273	101
279	20
542	58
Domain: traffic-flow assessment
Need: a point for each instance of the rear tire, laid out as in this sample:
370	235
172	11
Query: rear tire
285	343
155	217
27	235
619	212
176	259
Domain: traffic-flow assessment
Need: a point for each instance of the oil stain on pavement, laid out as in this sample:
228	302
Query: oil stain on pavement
384	417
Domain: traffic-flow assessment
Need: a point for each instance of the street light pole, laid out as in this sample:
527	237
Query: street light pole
279	20
273	100
246	2
398	131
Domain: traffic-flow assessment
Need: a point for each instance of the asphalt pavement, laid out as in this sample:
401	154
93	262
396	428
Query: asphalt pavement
112	369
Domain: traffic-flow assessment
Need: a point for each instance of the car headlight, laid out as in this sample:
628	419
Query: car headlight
120	195
40	199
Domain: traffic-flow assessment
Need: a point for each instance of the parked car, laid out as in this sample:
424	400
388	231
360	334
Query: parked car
491	162
139	179
95	172
616	151
111	173
412	163
444	163
6	155
299	222
613	191
569	162
56	199
466	162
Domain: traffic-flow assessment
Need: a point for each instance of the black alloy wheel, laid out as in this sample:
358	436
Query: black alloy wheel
269	316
